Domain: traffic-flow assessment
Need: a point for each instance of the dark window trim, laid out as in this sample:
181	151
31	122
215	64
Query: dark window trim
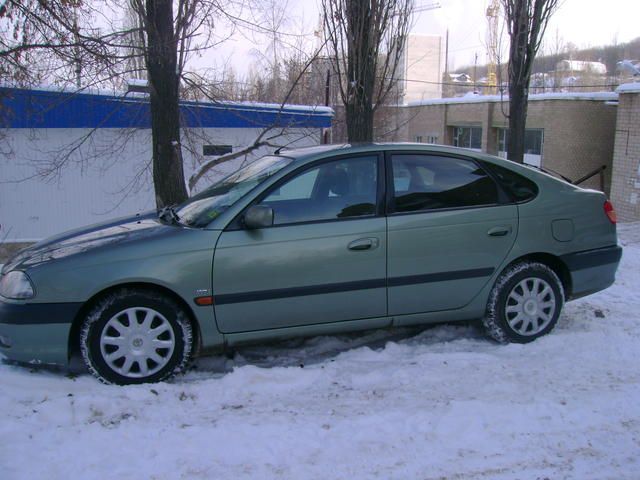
503	197
236	223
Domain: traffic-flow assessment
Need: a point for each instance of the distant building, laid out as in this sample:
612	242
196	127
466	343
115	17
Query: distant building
460	77
571	133
422	68
577	66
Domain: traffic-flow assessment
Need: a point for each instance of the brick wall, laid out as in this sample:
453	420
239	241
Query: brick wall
578	137
578	133
625	189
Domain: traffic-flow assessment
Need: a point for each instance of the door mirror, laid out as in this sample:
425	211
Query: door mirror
258	216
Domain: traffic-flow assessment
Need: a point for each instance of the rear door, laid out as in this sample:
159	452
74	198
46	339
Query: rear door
323	260
450	227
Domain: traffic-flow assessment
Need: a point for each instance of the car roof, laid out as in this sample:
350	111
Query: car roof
309	154
306	153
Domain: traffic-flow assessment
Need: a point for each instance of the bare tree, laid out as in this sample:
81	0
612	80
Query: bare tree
159	34
526	24
55	41
366	41
78	36
270	135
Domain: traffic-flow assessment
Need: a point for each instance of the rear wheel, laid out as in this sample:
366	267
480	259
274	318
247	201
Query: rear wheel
136	336
525	303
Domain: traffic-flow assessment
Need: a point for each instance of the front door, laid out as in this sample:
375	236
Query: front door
323	260
450	227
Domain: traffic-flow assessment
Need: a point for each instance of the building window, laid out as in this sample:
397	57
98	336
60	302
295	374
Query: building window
419	138
533	142
467	137
216	150
432	139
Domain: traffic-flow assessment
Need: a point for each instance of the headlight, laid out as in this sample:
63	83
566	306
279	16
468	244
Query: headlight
16	285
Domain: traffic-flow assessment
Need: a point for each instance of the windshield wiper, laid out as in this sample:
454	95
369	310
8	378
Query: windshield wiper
169	215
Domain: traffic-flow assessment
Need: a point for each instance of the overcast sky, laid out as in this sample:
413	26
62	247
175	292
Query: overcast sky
582	22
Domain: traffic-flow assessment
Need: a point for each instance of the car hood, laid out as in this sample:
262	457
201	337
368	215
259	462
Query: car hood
74	242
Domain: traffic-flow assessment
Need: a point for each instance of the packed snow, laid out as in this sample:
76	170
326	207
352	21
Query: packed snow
436	403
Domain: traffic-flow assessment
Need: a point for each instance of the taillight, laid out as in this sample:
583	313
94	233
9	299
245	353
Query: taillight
610	212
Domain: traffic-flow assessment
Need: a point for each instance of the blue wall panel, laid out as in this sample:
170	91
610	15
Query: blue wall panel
24	108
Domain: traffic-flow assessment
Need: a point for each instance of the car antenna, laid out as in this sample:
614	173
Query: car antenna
277	152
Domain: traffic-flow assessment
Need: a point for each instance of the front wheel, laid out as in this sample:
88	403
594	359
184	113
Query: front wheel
135	336
524	304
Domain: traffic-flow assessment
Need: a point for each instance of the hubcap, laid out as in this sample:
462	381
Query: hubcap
530	307
137	342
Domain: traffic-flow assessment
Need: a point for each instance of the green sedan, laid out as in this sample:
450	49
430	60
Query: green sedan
307	242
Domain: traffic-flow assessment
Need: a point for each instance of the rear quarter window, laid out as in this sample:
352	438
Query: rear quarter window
519	187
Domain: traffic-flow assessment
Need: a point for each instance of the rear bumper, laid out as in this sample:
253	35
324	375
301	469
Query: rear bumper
36	333
592	270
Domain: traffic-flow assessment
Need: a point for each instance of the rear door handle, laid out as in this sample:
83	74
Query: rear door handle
499	231
363	244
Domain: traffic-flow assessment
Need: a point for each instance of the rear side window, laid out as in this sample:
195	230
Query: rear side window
520	188
427	182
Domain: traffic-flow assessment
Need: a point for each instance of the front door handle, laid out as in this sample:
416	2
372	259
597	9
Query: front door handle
363	244
499	231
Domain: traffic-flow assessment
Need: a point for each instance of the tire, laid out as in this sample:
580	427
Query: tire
524	304
135	336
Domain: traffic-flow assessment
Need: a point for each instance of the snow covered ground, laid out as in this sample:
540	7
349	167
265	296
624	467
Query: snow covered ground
441	403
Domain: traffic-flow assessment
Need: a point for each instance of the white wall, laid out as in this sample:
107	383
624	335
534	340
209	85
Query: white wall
106	177
424	62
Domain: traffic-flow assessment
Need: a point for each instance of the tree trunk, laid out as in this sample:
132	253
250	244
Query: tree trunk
519	66
359	119
526	21
361	66
168	174
518	105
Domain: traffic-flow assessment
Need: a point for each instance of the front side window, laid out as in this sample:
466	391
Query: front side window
334	190
428	182
201	209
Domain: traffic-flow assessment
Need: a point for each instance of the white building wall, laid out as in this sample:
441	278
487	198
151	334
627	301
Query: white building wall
423	67
107	176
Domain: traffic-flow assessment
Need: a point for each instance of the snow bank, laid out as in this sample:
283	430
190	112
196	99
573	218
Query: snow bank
438	403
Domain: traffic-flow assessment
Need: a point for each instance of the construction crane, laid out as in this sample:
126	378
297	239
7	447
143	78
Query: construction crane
493	16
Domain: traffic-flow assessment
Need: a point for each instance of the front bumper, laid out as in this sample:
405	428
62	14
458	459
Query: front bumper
36	332
592	270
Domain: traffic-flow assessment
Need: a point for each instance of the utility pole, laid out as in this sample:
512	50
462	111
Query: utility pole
475	73
446	55
327	91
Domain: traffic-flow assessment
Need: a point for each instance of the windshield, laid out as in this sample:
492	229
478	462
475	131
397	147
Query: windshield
204	207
